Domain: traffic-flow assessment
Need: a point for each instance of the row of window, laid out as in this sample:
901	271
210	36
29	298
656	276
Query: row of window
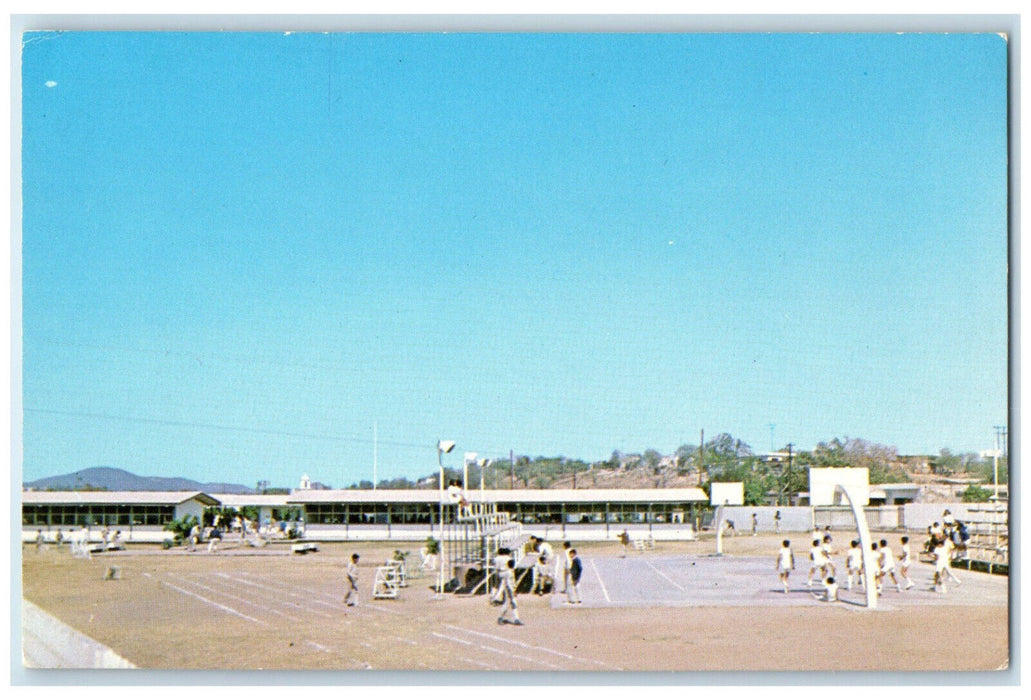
368	514
90	515
427	513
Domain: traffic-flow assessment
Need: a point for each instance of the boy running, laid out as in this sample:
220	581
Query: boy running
888	564
854	564
828	553
817	562
785	563
508	595
904	562
878	572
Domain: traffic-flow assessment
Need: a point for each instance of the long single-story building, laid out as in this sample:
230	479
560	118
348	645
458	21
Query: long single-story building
140	515
344	514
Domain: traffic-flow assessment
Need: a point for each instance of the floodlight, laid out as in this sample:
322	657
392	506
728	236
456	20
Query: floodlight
445	446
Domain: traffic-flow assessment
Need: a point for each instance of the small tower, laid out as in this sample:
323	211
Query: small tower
305	482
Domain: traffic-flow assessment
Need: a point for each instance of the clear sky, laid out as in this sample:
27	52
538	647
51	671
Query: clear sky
243	255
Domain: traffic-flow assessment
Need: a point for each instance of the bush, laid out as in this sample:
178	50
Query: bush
181	528
976	494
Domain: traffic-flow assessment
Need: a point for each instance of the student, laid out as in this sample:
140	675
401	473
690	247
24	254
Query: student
540	575
817	562
214	539
755	524
352	582
508	595
854	564
878	572
785	563
548	552
828	553
576	569
888	565
564	563
41	542
905	559
624	539
59	538
941	565
776	522
950	549
830	591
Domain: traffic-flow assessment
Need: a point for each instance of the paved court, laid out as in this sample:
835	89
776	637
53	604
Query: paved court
673	581
648	611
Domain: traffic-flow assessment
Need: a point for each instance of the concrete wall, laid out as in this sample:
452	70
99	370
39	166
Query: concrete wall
792	519
920	516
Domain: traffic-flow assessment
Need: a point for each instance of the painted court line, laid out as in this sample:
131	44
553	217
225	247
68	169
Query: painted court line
279	592
226	608
487	649
529	646
603	589
245	601
674	583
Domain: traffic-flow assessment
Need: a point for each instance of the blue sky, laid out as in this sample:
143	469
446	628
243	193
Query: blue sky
241	252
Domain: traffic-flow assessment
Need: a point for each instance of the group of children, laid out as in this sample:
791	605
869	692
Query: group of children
821	563
568	566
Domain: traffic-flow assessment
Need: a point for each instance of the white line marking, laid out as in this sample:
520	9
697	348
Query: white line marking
492	667
499	652
280	592
211	602
245	601
530	646
603	589
664	575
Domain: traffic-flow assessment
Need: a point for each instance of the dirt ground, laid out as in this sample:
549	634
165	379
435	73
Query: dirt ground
242	609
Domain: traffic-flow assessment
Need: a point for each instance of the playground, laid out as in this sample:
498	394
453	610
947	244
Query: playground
674	607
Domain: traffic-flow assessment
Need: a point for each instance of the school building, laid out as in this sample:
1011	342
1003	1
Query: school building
379	514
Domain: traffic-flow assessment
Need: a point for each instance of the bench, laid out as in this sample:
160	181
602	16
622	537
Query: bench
643	544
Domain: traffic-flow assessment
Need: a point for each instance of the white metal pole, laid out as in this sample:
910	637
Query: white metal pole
440	524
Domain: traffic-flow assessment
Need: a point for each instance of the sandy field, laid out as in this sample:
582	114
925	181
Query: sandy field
248	609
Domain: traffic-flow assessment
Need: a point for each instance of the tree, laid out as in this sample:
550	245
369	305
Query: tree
976	494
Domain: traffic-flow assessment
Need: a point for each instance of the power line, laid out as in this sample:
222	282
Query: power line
232	428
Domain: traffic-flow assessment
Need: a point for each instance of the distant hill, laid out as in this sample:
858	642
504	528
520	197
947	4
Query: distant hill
111	479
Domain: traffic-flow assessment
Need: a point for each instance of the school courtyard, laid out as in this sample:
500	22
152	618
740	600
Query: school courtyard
676	607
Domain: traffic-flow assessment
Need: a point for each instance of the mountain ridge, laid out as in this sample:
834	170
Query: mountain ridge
114	479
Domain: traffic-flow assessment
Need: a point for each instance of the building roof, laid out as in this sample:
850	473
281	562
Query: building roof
150	498
239	500
682	495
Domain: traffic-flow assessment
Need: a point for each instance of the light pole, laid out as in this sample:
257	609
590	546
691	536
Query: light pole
999	432
443	446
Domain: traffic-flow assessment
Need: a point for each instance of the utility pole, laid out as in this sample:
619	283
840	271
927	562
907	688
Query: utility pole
511	469
1000	435
701	456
